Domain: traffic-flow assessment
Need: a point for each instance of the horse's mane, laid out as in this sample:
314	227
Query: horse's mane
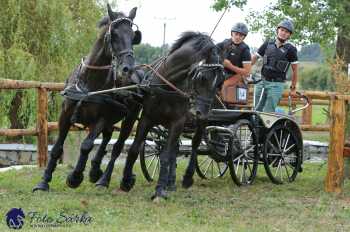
202	45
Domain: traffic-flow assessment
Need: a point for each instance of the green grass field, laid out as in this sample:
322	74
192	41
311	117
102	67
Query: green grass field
210	205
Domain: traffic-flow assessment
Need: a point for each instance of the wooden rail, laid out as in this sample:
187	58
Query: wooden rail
338	111
42	129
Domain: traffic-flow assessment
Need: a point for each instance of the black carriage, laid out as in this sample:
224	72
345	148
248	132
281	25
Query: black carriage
238	141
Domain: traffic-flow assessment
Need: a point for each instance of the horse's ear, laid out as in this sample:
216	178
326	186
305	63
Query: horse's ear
137	37
132	13
110	12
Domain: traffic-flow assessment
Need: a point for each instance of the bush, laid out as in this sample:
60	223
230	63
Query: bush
316	78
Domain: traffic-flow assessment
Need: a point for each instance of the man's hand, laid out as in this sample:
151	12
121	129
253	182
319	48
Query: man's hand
227	63
292	91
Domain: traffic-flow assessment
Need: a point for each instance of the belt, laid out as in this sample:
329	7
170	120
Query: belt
273	79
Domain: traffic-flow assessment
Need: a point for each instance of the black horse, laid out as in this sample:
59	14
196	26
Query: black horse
193	66
109	64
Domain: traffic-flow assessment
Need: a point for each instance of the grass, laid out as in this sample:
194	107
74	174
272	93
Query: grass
318	115
321	136
210	205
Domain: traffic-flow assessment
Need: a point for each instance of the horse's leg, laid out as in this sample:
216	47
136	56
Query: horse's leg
95	171
75	178
125	131
187	180
171	186
128	179
64	123
167	156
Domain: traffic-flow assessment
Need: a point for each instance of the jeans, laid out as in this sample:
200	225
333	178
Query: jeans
272	95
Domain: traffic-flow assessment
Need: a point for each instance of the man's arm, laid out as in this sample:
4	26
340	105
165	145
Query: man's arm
293	58
294	77
245	71
255	57
260	53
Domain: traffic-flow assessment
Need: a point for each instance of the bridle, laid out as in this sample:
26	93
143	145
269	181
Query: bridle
201	68
116	56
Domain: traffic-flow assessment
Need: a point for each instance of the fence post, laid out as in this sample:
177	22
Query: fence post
335	173
307	114
42	128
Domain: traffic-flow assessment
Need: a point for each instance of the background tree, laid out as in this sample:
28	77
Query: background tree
146	54
41	40
311	52
316	21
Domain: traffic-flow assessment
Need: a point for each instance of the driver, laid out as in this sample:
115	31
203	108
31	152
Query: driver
237	60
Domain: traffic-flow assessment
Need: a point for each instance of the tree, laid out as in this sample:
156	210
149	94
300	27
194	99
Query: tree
41	40
311	52
316	21
146	54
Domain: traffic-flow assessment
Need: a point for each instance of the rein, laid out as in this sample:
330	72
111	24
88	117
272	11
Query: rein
209	66
105	67
165	80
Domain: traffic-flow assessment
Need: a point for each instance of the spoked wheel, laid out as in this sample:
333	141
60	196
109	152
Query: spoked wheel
208	168
243	162
282	154
150	151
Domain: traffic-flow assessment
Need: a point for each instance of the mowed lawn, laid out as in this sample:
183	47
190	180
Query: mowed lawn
210	205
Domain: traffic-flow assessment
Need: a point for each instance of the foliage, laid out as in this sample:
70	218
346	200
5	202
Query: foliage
221	4
316	77
311	52
315	21
42	40
146	54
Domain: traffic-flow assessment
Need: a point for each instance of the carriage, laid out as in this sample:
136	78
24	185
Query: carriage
238	141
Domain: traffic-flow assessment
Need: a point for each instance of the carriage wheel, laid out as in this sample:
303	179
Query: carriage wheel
243	166
207	168
150	151
282	154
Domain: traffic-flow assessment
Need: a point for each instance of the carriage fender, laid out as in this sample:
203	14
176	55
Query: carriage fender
269	120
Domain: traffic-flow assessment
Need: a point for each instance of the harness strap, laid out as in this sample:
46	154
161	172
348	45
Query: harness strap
165	80
105	67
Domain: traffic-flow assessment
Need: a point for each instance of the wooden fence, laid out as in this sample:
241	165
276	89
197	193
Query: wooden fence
338	110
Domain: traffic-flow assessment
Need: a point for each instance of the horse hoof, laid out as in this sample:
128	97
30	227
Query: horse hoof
101	187
42	186
171	188
159	196
157	200
95	175
187	182
128	183
74	180
102	183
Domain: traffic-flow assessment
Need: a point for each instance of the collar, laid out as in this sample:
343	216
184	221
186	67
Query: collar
278	43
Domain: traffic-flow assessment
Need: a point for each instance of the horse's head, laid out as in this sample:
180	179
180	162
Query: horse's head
206	77
119	38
